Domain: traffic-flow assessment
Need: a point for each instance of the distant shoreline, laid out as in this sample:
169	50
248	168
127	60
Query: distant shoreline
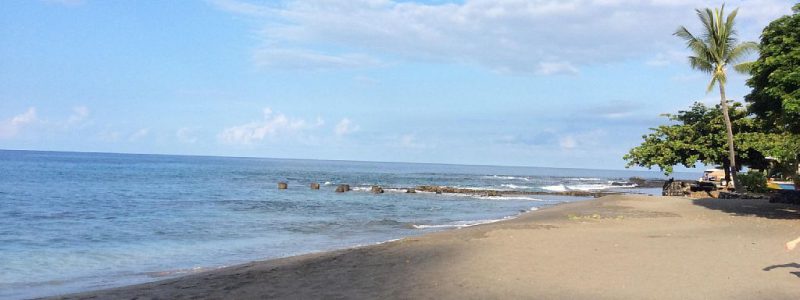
620	246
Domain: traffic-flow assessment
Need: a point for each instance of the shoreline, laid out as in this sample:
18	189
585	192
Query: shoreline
488	261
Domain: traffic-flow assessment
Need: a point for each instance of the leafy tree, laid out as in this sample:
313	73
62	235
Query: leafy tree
716	49
696	135
775	98
775	80
784	147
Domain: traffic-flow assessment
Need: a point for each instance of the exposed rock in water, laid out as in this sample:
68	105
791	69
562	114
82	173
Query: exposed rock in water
488	192
411	191
492	194
646	183
282	185
377	189
314	186
343	188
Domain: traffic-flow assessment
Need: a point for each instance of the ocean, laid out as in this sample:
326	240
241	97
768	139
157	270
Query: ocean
72	222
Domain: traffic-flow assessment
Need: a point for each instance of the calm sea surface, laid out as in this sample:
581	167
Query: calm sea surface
81	221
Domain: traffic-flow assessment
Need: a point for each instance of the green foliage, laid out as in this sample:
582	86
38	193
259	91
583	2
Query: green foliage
717	47
696	135
754	182
783	147
775	80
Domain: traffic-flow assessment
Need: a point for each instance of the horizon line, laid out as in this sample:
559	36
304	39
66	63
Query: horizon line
338	160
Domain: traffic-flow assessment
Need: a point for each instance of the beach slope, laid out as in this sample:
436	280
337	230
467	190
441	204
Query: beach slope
615	247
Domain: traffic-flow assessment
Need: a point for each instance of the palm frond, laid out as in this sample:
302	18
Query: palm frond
711	84
744	67
701	64
729	23
740	51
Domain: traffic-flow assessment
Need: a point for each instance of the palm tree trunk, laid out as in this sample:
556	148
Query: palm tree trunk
729	129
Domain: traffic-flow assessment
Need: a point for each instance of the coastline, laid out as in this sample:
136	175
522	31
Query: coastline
620	246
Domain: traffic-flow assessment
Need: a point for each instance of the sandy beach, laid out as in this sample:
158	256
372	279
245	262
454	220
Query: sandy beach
615	247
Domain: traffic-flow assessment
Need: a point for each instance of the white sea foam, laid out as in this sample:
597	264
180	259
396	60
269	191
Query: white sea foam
514	186
462	224
499	177
527	198
555	188
584	187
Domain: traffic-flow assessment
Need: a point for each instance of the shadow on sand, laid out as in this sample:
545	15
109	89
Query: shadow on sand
752	207
789	265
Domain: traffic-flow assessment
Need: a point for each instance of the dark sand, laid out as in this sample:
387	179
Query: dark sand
615	247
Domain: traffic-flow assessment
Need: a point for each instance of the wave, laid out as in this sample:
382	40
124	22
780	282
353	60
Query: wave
584	187
462	224
514	186
500	177
555	188
386	222
510	198
584	178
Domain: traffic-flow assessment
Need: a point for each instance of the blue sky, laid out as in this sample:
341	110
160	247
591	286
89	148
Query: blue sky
539	83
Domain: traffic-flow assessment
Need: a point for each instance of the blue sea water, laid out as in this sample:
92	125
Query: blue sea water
72	222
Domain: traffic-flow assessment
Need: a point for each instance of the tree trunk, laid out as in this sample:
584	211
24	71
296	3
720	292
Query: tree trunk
795	177
726	166
729	129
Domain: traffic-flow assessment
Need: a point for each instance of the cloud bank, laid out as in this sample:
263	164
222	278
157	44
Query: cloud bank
545	37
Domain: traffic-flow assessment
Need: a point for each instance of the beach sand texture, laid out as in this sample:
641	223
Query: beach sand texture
615	247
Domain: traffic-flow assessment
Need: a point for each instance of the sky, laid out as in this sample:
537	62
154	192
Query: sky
552	83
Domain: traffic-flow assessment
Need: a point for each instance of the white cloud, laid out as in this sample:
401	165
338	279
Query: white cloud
526	36
139	134
272	125
186	135
79	114
109	135
410	141
581	140
553	68
567	142
345	127
309	60
667	58
11	127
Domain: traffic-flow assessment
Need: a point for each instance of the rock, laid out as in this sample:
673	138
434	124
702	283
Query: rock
493	194
703	186
785	196
314	186
377	189
675	188
646	183
282	185
411	191
343	188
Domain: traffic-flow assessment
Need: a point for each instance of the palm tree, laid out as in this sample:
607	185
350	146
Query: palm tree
712	53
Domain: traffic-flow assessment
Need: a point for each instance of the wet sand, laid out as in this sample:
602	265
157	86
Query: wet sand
615	247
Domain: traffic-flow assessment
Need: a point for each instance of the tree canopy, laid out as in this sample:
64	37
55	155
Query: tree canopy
775	80
696	135
713	51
